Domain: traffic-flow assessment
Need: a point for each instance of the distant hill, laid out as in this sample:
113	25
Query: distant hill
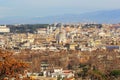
110	16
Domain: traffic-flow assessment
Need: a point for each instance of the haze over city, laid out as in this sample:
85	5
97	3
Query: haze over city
59	40
17	11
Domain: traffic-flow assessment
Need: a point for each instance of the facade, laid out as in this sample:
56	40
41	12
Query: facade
61	36
41	31
4	29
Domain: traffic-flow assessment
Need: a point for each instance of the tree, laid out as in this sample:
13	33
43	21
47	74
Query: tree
10	66
115	73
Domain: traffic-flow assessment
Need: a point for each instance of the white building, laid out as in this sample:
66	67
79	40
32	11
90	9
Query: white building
61	38
41	31
4	29
63	73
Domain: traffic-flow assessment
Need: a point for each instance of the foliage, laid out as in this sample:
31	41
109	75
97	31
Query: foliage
59	78
24	28
9	66
115	73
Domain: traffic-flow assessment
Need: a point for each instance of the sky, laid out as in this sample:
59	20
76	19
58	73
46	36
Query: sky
42	8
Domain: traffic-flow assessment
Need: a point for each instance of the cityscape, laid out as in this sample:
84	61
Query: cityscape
71	51
59	40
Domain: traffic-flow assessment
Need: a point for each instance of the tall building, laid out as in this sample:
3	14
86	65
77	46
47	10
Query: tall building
61	36
49	29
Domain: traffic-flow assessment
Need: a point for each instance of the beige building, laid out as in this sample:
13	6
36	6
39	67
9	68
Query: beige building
4	29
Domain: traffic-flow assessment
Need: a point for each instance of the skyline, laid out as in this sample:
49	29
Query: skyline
43	8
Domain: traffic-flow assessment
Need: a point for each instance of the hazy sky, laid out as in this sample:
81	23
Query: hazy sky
40	8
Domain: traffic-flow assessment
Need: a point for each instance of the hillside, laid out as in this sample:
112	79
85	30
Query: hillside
110	16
